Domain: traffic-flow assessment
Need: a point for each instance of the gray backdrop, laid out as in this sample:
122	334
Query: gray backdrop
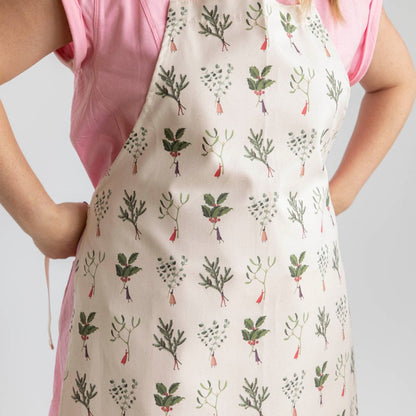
377	241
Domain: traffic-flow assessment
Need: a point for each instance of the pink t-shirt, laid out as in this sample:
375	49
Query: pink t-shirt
113	54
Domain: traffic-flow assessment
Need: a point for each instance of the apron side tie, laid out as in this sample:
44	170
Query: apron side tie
49	301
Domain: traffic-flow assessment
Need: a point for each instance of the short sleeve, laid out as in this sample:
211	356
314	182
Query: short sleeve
364	53
80	16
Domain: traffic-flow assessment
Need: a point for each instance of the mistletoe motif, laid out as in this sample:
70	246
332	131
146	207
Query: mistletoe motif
340	370
214	26
320	379
85	328
342	312
297	269
136	146
175	24
213	210
322	326
165	399
254	399
252	333
319	203
125	269
259	151
213	337
319	31
289	28
172	89
322	254
263	211
294	326
121	331
297	85
174	145
215	280
293	389
122	394
166	204
82	395
253	21
334	88
258	83
172	274
257	269
169	342
217	81
203	398
132	213
101	207
216	147
91	266
297	211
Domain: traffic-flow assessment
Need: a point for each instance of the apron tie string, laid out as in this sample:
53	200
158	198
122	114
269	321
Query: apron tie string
49	301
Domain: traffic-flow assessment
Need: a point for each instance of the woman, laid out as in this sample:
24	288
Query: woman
212	193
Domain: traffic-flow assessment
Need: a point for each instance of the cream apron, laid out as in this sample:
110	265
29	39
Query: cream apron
208	279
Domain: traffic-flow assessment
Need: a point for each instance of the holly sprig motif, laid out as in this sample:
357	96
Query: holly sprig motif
174	145
289	28
165	398
85	328
213	211
125	269
320	379
252	333
258	83
297	269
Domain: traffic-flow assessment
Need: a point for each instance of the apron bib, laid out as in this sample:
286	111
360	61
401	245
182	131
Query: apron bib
208	279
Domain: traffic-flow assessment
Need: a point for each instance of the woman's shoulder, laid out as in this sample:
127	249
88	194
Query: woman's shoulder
356	35
104	27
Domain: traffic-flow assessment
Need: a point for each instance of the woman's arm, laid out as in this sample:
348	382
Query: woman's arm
390	85
30	30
